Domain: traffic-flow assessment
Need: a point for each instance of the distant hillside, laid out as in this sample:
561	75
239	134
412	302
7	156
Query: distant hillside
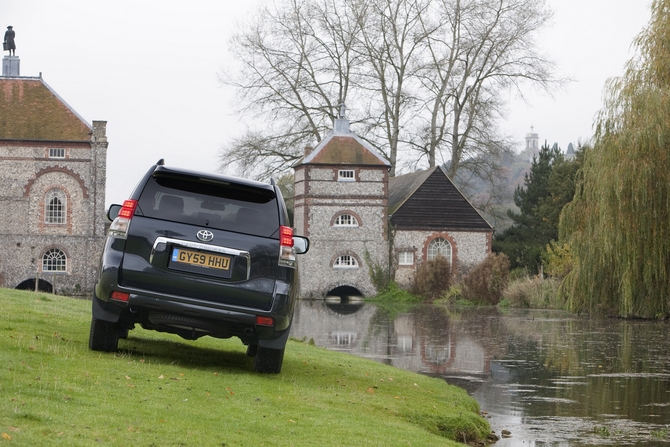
494	201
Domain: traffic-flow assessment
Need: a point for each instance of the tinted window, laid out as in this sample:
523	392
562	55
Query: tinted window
222	205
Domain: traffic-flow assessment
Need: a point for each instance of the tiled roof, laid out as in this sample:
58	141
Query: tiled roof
343	147
343	150
31	110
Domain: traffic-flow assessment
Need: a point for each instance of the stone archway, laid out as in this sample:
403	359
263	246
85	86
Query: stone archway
42	285
344	300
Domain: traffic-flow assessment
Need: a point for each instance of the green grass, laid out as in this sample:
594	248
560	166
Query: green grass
160	390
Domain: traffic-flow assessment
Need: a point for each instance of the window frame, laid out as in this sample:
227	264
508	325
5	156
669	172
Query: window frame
431	247
57	266
55	152
353	222
346	175
55	214
351	262
404	254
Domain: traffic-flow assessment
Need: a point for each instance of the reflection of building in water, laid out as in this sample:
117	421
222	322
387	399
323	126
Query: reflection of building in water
343	338
424	340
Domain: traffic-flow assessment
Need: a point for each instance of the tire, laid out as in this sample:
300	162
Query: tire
268	361
104	336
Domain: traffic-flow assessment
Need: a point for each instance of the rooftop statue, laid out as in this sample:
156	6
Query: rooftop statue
9	44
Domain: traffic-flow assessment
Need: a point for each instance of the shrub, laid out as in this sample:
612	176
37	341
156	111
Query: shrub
487	281
379	275
432	278
534	292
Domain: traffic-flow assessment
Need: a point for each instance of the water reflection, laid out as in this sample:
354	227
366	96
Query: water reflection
549	377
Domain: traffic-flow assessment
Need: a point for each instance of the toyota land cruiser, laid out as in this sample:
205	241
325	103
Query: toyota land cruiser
195	254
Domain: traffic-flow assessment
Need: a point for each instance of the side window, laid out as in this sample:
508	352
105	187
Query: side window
55	206
346	220
54	260
406	258
345	262
439	247
346	175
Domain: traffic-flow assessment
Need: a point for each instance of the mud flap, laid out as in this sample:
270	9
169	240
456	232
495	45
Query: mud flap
277	343
101	313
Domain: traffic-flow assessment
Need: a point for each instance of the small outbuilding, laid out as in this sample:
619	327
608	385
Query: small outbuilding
356	216
430	217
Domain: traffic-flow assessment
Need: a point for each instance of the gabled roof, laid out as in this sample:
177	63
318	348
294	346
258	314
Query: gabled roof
31	110
343	147
402	187
429	200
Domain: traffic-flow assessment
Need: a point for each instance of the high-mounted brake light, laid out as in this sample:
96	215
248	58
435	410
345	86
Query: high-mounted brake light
286	251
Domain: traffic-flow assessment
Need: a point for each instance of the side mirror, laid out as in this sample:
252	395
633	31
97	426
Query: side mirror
301	244
113	212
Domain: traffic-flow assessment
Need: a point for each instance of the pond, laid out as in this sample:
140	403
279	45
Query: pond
550	378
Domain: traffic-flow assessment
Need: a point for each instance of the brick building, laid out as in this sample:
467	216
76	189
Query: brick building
52	189
354	213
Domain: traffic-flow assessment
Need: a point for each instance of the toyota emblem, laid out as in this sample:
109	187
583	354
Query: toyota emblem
205	235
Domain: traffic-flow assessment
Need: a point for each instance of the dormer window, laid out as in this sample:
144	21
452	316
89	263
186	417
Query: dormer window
56	152
346	175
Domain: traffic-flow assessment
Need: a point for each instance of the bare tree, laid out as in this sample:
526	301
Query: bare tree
296	62
424	79
391	41
484	49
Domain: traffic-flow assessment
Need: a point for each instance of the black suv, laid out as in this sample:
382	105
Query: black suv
196	254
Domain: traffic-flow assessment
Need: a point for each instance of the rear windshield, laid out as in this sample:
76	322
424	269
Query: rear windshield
222	205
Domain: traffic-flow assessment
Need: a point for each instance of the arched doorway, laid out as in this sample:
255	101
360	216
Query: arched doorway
42	285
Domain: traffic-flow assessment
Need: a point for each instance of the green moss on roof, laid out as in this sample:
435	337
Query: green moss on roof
29	110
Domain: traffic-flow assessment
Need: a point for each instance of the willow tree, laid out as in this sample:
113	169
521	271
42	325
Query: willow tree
619	223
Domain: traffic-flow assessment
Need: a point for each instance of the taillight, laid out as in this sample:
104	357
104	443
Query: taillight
264	321
286	251
120	296
128	209
119	228
286	236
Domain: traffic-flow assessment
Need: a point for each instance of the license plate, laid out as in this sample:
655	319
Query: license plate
206	260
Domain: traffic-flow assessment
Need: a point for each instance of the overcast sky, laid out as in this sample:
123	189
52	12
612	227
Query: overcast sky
150	69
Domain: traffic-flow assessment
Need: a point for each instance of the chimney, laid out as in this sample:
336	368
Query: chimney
308	149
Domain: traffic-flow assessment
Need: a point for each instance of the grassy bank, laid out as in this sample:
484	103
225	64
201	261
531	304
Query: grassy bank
160	390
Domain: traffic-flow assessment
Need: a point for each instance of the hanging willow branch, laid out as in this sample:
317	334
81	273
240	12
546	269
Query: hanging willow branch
618	224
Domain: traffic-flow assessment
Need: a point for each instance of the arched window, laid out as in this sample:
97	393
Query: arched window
54	260
345	262
55	204
346	220
439	247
